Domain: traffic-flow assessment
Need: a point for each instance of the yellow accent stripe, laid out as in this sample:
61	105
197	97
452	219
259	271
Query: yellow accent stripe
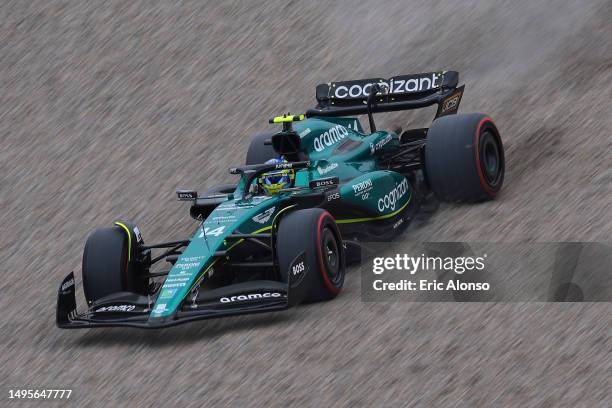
382	217
282	211
127	230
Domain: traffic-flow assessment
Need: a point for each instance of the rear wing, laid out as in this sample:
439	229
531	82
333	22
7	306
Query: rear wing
402	92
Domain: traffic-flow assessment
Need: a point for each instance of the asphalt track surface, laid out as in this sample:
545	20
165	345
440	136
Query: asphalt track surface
107	107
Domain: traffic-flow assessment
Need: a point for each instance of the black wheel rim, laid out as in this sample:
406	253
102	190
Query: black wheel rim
491	162
331	255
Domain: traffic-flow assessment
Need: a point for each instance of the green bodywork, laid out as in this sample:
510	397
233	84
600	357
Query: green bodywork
335	147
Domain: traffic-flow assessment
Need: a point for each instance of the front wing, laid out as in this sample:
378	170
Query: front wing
131	310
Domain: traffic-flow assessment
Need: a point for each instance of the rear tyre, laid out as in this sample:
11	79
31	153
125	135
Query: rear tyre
464	158
312	237
106	268
259	152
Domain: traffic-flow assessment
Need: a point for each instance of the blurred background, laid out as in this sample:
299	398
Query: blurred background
107	107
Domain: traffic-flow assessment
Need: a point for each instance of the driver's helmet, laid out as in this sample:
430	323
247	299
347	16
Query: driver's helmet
274	181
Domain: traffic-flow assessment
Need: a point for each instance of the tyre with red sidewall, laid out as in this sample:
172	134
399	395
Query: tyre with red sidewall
464	158
310	255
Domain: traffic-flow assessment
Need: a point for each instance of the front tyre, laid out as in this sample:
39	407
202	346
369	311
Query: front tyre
311	258
464	158
106	267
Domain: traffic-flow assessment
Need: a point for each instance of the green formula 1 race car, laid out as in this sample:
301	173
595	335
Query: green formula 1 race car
307	195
